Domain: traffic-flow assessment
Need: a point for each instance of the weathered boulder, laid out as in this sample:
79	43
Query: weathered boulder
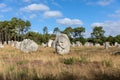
97	45
18	45
116	53
11	43
44	45
53	44
78	43
107	45
62	44
5	42
116	44
73	44
87	44
49	44
28	45
1	46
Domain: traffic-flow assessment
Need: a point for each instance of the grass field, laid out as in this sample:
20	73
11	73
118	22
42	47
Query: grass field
82	63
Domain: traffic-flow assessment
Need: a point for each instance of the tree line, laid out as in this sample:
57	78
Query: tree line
17	29
13	29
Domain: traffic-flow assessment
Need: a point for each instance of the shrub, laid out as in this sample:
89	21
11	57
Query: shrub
107	63
69	61
83	59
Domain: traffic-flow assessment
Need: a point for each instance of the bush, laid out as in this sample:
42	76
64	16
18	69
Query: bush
69	61
107	63
83	59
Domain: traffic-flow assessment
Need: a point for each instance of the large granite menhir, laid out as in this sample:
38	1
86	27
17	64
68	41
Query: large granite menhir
62	44
28	45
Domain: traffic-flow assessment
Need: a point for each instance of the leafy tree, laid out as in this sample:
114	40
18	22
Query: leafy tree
0	31
97	35
75	34
13	29
78	32
68	31
27	26
111	39
34	36
117	38
98	32
56	30
45	30
5	30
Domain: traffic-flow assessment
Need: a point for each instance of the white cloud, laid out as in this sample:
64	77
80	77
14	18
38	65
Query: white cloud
50	32
4	8
2	5
35	7
32	16
97	24
111	27
51	14
56	4
100	2
105	2
70	22
115	15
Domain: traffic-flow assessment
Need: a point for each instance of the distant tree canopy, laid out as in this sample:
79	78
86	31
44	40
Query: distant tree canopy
98	32
75	34
45	30
13	29
17	29
97	36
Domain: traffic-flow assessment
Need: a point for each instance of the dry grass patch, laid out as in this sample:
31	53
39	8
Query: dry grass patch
83	63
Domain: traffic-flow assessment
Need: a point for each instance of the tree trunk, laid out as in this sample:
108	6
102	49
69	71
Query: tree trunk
0	37
5	36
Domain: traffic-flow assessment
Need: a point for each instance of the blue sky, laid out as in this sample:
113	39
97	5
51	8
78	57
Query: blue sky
64	13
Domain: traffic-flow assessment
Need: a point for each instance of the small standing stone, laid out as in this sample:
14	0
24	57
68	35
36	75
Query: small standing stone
49	44
107	45
78	43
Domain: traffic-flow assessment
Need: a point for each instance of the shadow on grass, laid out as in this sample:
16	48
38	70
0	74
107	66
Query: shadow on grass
115	75
62	76
111	75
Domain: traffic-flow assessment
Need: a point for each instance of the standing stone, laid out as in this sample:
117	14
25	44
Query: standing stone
44	45
116	44
5	42
73	44
78	43
53	44
49	44
91	44
97	45
28	45
11	43
107	45
87	44
1	46
62	44
18	45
